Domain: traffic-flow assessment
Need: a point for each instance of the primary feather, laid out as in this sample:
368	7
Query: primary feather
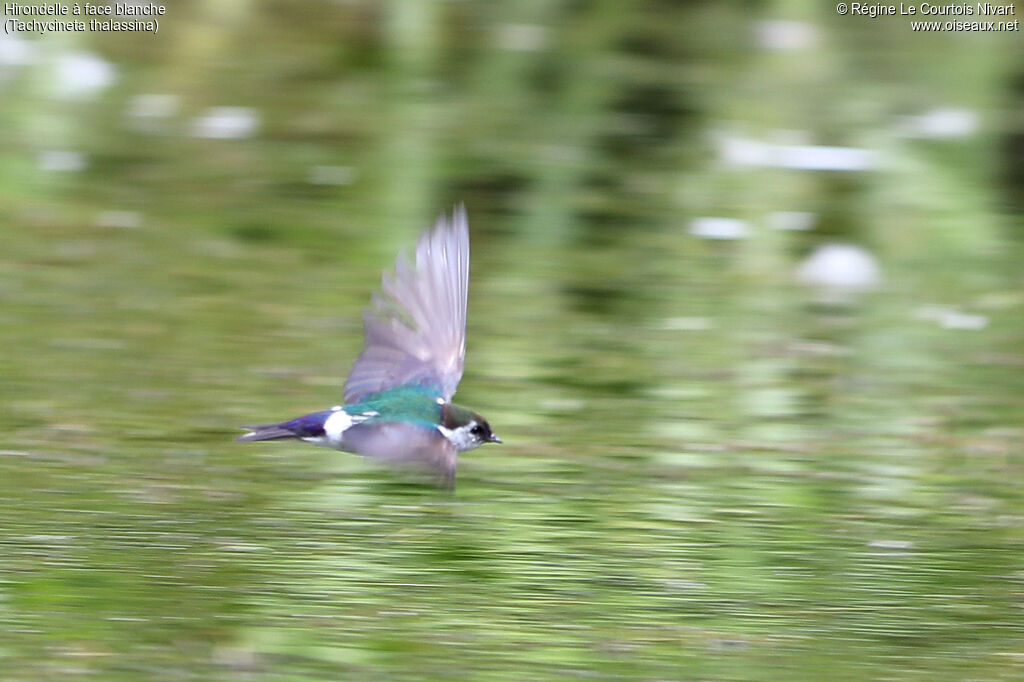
416	328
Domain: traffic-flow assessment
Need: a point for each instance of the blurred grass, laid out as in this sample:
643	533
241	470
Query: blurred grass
708	474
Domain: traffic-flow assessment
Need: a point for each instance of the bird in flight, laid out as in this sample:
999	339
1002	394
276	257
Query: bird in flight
398	395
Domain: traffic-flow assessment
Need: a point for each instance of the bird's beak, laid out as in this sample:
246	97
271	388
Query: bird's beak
494	439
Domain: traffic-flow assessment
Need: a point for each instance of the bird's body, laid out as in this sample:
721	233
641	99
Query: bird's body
398	395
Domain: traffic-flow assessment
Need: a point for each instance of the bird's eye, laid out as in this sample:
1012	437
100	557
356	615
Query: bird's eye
477	430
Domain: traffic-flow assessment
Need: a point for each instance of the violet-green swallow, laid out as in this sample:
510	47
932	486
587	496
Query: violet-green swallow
398	395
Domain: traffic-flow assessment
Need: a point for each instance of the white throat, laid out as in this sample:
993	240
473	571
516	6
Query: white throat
462	438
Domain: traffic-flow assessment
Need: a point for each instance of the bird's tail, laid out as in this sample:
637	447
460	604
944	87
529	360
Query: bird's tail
267	432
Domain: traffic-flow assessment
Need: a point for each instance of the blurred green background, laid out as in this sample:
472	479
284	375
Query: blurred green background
746	308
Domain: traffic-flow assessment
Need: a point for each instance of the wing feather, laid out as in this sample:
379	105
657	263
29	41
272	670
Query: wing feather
416	328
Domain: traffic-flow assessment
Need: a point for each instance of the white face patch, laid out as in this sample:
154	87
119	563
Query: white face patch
462	438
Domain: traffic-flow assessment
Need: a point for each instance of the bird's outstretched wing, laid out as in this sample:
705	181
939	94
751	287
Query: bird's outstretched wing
416	328
404	443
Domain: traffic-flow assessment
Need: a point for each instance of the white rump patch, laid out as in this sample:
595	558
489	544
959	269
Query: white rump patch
335	426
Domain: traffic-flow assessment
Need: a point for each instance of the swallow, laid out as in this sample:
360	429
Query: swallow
398	396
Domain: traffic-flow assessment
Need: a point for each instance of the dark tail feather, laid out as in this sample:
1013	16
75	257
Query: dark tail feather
268	432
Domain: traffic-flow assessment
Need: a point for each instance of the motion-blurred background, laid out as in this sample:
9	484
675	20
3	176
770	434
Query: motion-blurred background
746	308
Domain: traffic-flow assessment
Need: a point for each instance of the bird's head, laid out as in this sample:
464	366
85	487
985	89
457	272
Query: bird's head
464	428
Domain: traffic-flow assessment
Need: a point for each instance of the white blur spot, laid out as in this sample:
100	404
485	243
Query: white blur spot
561	404
840	267
152	105
958	320
785	35
686	324
810	157
151	113
741	151
734	150
521	37
932	312
331	175
891	544
123	220
226	123
81	74
949	317
14	51
791	220
61	161
941	124
719	228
